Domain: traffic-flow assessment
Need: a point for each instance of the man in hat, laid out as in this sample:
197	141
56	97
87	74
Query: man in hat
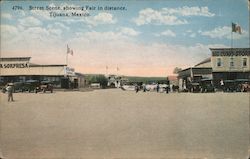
9	89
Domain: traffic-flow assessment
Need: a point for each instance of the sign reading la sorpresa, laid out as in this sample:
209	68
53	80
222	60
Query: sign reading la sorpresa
14	65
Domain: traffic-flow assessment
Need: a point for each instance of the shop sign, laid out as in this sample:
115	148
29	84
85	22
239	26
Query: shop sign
231	52
14	65
69	71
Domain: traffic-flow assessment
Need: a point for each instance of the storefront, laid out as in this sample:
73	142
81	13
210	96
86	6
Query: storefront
230	64
203	70
19	69
225	64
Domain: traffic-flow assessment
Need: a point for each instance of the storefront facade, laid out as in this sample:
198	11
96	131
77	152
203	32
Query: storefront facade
202	70
230	64
19	69
224	64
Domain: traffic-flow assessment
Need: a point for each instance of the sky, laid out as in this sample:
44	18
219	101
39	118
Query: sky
144	38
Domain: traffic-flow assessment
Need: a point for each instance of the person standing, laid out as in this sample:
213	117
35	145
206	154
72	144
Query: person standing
144	87
222	84
9	89
167	89
157	87
137	88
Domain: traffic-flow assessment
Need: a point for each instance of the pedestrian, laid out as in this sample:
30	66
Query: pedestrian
9	89
157	87
136	88
173	88
222	84
144	87
167	89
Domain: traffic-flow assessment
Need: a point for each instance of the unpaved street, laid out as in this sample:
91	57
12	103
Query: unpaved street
122	124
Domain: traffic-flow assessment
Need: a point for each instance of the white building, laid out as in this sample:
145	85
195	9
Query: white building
20	69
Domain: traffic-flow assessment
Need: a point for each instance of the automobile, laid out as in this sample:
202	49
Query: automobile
2	85
194	87
246	87
242	85
46	86
126	87
31	86
18	87
163	87
151	87
3	88
207	85
131	86
229	86
95	85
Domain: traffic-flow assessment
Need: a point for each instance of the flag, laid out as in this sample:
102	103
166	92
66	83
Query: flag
117	68
69	51
236	28
233	27
107	67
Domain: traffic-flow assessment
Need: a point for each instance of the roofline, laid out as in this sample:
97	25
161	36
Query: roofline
14	58
204	61
195	68
229	48
46	65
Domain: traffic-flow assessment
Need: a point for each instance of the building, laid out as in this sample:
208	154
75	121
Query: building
116	81
224	64
20	69
230	64
200	71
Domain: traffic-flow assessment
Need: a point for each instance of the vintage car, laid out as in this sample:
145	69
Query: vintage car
229	86
3	88
207	85
131	86
30	86
18	86
126	87
245	87
194	87
46	86
242	85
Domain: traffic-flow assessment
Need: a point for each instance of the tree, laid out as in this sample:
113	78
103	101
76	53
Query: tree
97	78
102	80
176	70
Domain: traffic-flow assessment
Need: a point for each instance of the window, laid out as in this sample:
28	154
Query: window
244	62
231	62
219	63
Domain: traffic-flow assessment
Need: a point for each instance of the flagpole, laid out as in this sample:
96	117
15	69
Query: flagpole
231	39
67	58
107	71
117	69
67	52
